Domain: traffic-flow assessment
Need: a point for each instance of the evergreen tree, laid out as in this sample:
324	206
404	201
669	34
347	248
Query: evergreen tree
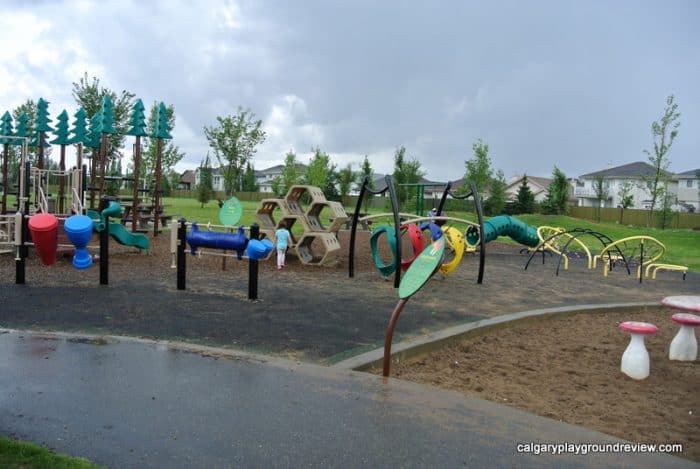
525	199
496	203
205	188
557	197
250	183
366	173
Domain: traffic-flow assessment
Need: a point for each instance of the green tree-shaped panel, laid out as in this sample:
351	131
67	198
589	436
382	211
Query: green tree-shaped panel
22	129
162	127
107	115
80	128
42	117
61	132
95	131
6	127
138	120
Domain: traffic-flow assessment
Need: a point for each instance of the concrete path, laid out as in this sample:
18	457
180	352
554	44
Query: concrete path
129	403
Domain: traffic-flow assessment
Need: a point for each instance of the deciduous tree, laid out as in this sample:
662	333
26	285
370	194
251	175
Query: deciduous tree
234	141
664	132
478	168
89	94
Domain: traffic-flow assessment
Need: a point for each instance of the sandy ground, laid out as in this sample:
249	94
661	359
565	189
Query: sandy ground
568	368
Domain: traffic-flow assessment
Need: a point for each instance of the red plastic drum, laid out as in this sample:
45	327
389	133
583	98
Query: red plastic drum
44	230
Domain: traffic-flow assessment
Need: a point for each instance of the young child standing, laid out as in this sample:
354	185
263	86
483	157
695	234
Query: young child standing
281	238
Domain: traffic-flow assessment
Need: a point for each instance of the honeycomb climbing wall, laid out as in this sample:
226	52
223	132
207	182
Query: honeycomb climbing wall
318	244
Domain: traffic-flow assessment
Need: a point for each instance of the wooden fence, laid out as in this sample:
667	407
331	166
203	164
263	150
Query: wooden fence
635	217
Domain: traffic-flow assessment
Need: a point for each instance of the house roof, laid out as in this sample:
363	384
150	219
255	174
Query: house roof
532	181
379	183
693	173
629	170
187	177
278	169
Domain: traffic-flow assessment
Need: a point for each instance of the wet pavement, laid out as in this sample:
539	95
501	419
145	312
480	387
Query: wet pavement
125	403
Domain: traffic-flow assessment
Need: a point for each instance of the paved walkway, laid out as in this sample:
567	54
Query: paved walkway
129	403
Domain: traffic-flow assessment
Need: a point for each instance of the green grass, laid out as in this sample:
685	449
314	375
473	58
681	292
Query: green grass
22	455
682	246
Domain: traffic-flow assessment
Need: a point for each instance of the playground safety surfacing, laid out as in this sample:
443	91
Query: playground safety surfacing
148	404
313	314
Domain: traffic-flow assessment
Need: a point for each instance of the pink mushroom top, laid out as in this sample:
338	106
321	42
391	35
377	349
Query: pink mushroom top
638	327
684	302
686	319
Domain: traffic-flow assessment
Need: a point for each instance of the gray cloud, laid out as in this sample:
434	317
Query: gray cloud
575	84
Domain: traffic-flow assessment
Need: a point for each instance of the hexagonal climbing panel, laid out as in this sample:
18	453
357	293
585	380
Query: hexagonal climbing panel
333	211
298	195
318	243
318	248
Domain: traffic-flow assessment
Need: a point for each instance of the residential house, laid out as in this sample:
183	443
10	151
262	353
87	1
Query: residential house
538	186
265	177
431	189
614	180
217	179
688	183
187	181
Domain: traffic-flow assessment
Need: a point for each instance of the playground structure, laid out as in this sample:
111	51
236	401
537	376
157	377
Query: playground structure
402	224
318	244
90	132
216	243
640	253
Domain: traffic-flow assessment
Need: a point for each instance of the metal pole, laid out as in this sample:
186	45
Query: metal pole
397	227
253	266
353	228
181	259
104	245
22	251
390	333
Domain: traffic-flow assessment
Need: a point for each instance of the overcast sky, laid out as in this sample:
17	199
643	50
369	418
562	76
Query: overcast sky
572	83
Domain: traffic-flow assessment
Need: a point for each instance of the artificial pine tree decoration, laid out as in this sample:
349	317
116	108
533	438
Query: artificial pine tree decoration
6	130
93	142
62	139
80	135
41	126
106	127
138	129
160	132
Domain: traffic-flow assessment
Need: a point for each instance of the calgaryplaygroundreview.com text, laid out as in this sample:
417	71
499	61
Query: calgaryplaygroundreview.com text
586	448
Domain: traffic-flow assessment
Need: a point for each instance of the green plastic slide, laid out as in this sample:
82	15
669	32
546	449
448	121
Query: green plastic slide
505	225
123	236
116	230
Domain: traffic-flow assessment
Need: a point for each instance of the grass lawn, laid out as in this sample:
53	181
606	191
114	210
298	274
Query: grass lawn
18	454
682	246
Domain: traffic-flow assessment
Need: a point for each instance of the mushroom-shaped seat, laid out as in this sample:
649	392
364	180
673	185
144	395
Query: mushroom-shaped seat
684	346
635	359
